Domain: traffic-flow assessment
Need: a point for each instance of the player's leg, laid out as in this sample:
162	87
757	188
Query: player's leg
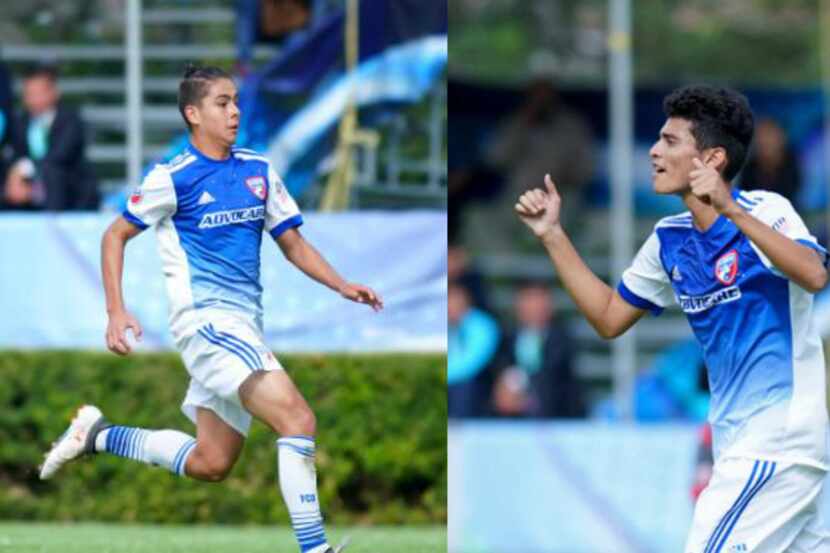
209	457
757	506
273	398
217	448
89	433
816	533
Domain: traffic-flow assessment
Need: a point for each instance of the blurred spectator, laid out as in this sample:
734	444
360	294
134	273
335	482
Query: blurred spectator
473	340
674	387
772	164
50	169
538	378
705	460
266	21
6	122
542	136
461	270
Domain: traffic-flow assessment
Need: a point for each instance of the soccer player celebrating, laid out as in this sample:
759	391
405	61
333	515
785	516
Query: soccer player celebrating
210	206
743	268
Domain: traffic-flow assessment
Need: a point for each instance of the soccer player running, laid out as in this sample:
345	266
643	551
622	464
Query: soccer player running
210	206
743	268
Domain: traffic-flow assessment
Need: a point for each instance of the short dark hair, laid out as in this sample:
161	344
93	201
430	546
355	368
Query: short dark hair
719	117
46	70
194	85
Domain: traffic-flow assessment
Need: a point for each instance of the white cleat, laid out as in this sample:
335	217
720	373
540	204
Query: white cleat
79	439
340	547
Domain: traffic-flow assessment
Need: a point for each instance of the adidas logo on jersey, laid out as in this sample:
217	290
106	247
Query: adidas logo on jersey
206	198
675	274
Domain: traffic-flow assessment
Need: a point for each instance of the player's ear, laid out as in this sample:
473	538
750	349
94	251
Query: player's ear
715	157
192	114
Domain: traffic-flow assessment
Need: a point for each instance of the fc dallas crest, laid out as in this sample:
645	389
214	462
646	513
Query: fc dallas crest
726	267
136	196
257	186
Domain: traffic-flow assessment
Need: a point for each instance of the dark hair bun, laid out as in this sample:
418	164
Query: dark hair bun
190	69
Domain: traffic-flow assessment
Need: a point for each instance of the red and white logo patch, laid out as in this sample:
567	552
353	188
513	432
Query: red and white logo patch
136	196
257	186
726	267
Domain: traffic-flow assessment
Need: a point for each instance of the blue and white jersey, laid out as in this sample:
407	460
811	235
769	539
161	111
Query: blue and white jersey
209	217
764	356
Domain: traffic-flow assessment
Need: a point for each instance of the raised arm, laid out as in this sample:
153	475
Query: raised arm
605	309
112	267
306	258
799	262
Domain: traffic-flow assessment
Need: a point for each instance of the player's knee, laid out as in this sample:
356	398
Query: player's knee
298	421
212	468
217	470
307	422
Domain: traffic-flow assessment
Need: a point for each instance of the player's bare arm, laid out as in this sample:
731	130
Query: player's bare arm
801	264
306	258
605	309
112	266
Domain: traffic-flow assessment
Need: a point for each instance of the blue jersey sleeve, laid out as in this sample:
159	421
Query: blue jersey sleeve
645	284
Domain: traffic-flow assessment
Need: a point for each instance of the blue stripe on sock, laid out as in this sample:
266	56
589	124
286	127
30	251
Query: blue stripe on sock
304	451
221	342
241	343
306	519
119	439
312	542
310	536
183	460
746	501
179	455
298	437
308	533
136	450
719	528
112	439
128	443
111	435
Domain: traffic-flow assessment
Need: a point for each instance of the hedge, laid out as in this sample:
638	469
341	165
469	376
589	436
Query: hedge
381	457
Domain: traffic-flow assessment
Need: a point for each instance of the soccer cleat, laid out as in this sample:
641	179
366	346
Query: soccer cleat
339	548
78	440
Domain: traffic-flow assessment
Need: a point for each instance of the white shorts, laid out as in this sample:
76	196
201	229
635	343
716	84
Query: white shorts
219	357
757	506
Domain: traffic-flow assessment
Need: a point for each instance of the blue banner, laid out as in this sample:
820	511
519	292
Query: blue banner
53	295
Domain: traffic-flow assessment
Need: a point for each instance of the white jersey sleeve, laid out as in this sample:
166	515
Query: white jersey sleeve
778	213
645	283
281	211
154	200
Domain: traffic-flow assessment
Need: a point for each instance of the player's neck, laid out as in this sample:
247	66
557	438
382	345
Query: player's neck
210	148
703	215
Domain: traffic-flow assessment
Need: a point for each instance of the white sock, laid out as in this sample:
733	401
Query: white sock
165	448
298	483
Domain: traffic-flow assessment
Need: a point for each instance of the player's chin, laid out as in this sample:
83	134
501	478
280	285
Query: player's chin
661	185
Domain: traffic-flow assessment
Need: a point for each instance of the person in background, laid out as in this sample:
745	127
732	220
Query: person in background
462	270
537	378
266	21
543	135
473	341
6	122
772	163
704	462
50	170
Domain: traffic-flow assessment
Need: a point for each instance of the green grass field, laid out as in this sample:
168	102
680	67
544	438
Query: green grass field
115	538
